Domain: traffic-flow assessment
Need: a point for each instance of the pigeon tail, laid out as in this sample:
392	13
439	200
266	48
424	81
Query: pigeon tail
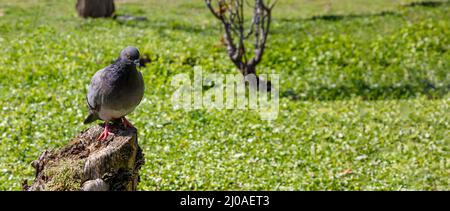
92	117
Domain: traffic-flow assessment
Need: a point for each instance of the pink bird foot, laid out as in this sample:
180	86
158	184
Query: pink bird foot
106	132
126	123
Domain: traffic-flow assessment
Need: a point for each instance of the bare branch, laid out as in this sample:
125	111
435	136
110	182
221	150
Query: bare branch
228	28
265	17
218	15
255	21
231	14
271	6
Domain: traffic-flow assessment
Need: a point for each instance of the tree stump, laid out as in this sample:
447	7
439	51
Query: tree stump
90	165
95	8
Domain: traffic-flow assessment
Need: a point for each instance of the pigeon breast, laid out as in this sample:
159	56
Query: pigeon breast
116	91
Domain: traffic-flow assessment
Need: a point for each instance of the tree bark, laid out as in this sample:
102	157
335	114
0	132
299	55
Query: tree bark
95	8
250	69
90	165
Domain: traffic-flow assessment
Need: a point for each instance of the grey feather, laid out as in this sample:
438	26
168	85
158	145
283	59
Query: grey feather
91	117
116	90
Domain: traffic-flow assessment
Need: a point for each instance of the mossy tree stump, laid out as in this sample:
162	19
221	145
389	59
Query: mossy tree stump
89	165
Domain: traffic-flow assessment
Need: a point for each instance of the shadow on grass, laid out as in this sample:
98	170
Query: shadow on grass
357	88
427	4
351	16
162	26
337	17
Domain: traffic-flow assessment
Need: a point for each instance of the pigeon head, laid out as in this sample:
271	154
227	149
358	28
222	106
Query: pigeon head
130	54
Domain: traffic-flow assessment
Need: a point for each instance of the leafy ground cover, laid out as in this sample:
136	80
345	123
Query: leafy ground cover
364	86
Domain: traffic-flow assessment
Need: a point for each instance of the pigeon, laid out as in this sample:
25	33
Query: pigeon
115	91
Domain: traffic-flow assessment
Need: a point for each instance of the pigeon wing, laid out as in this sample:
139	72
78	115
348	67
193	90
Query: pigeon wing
94	96
96	90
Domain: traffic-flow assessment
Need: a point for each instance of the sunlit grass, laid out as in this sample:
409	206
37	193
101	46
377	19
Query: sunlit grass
365	94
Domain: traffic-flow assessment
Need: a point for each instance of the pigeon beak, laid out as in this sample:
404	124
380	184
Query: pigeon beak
137	62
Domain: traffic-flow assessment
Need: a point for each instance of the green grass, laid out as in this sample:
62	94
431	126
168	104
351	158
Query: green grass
364	85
